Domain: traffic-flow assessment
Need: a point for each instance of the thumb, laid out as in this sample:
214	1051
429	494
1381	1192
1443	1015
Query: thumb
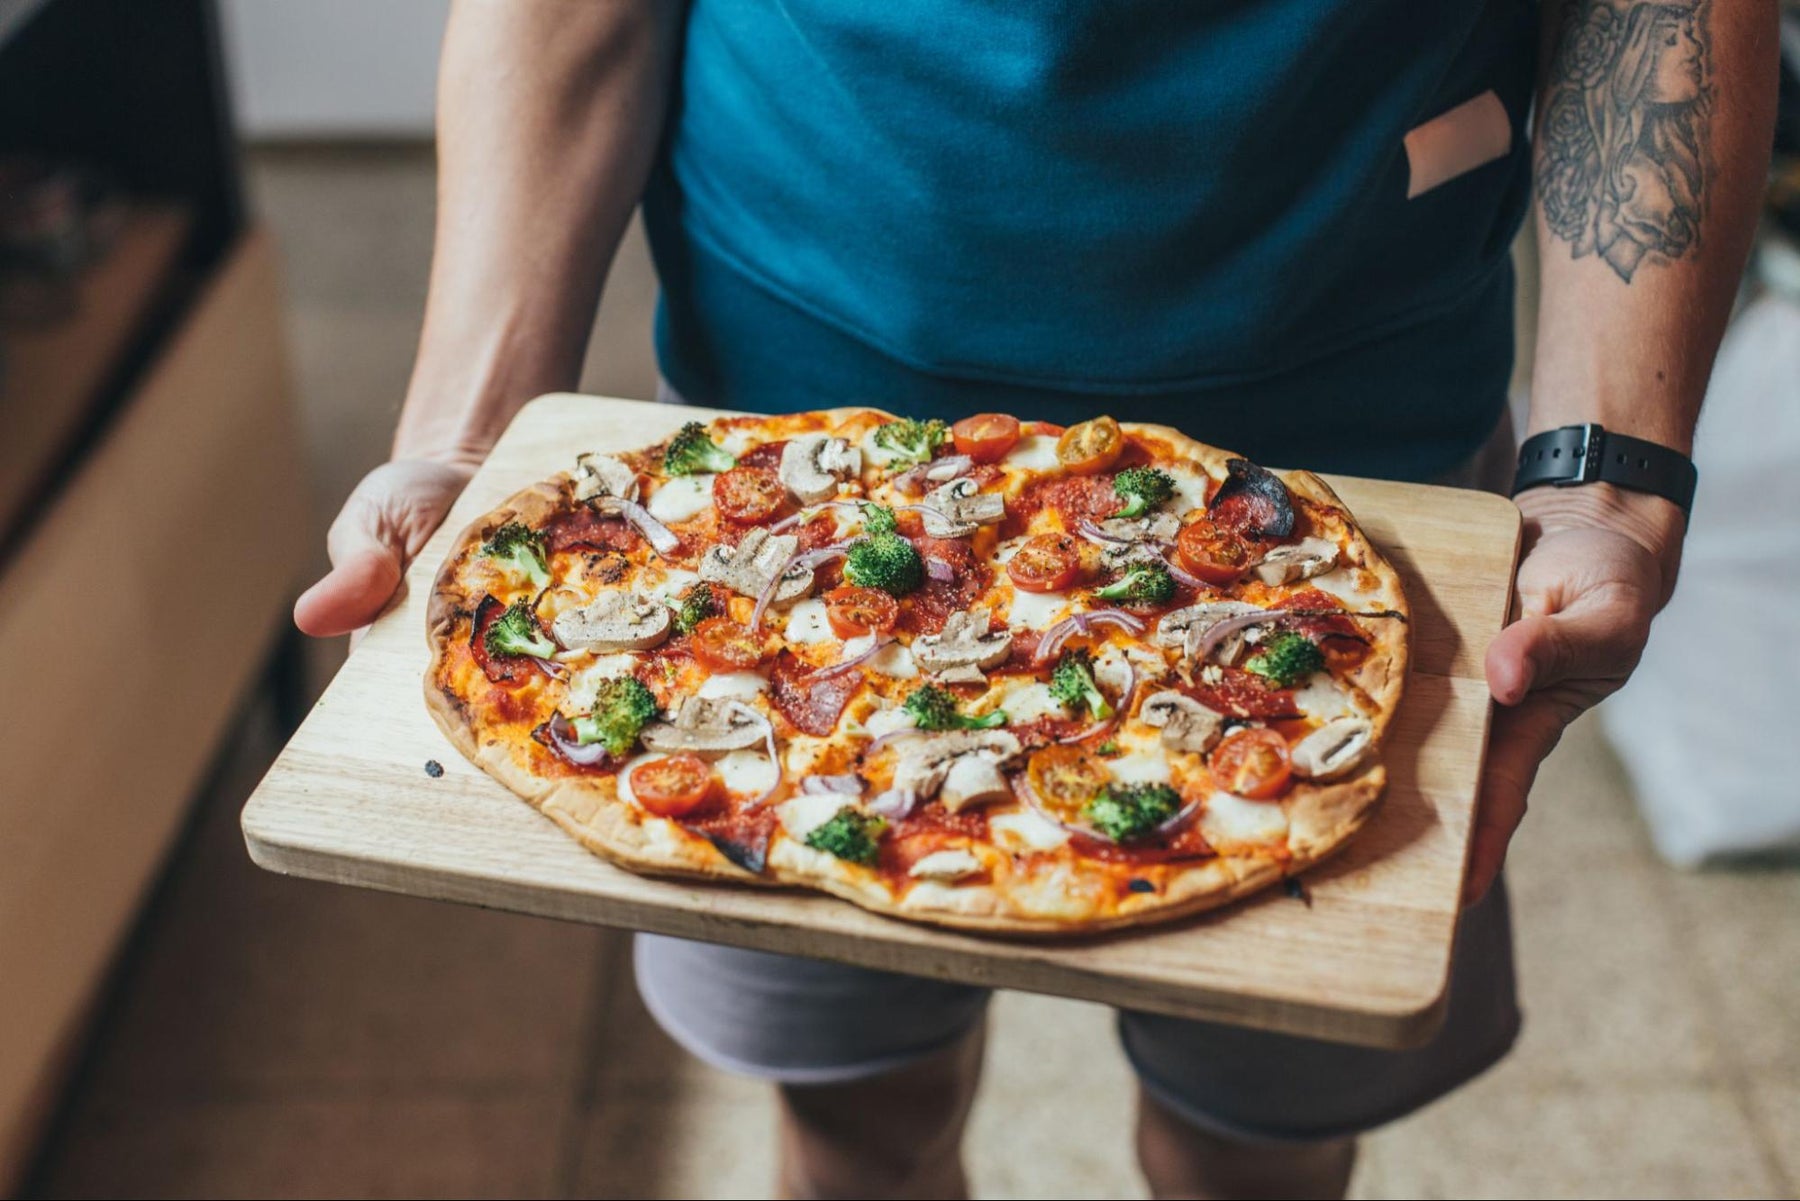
352	593
1591	640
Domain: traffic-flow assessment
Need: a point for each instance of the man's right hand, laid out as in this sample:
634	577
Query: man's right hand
386	521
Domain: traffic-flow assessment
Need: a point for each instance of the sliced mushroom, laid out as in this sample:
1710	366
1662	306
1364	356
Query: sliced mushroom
1301	561
1187	725
927	761
707	726
972	781
812	465
1333	749
957	508
749	567
964	648
946	866
1183	629
618	620
1136	539
603	475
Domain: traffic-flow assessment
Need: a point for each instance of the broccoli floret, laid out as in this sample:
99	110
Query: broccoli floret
934	708
621	707
521	548
1142	489
885	561
1286	659
516	632
878	519
911	441
849	835
691	451
1072	683
699	604
1141	584
1123	812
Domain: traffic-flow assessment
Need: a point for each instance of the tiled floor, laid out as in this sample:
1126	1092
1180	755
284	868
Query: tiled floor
274	1037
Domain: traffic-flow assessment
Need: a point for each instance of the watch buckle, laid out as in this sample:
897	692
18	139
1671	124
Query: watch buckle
1592	452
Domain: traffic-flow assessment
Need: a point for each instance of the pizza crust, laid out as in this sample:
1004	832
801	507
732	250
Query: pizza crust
1321	817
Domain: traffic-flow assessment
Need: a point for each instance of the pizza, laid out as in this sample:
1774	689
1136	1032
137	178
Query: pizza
1000	676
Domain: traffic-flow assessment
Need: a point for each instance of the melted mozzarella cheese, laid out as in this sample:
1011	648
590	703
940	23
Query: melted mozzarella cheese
895	661
805	813
1026	831
681	499
886	721
807	623
1029	700
748	772
1140	768
1232	819
1034	453
1323	698
675	581
734	685
1006	550
1190	489
1035	610
1345	583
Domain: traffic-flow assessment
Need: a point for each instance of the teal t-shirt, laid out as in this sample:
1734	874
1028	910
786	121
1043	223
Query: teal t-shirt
1186	211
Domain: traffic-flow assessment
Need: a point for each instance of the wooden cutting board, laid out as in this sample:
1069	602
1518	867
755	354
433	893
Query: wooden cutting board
351	800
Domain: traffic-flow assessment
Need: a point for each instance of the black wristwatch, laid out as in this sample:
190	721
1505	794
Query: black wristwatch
1587	454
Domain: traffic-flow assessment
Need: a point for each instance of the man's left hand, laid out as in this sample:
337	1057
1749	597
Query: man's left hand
1599	562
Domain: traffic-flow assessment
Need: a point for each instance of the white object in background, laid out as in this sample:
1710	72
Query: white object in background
334	68
1706	726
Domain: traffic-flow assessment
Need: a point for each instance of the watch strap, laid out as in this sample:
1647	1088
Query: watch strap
1587	454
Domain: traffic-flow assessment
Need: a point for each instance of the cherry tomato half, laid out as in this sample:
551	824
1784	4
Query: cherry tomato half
1046	563
721	644
1252	763
1065	778
748	495
985	437
672	787
1091	446
1215	555
854	611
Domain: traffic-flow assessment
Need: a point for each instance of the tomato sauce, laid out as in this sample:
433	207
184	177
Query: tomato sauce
767	455
1243	693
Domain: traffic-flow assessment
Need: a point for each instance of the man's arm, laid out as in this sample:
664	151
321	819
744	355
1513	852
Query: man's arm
549	113
1653	128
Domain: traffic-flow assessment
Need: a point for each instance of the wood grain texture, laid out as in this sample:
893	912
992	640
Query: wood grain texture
350	800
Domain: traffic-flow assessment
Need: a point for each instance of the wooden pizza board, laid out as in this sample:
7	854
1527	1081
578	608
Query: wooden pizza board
351	800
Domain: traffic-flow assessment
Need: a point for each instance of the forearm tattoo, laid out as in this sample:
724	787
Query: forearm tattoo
1622	168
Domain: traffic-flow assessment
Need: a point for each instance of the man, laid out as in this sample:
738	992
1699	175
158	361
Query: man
1279	224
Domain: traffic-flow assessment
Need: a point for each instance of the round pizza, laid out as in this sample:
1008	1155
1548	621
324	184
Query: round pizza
997	675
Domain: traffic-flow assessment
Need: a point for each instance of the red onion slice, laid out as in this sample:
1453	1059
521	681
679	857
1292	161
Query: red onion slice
844	665
1058	634
940	571
823	555
895	803
893	735
1131	623
660	537
562	736
1188	578
947	468
550	667
848	784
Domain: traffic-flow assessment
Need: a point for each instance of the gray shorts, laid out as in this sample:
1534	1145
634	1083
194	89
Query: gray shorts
804	1021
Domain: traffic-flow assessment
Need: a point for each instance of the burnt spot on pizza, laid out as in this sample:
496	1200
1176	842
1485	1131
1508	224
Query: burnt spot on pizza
434	769
753	857
1295	887
1136	885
